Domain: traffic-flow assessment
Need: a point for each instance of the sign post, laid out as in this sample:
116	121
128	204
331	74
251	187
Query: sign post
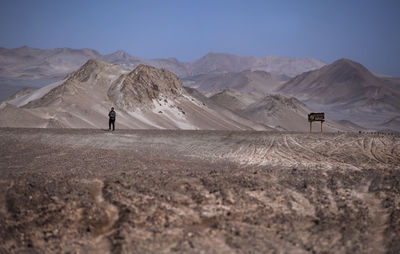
316	117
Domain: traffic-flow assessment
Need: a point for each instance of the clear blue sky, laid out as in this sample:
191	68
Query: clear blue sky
363	30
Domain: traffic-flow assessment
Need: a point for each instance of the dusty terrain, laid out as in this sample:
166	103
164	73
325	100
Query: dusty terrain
154	191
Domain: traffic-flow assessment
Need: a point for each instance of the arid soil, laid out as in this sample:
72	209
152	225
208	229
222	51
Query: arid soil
154	191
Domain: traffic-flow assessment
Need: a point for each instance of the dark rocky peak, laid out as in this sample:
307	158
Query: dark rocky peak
348	64
344	70
143	85
158	80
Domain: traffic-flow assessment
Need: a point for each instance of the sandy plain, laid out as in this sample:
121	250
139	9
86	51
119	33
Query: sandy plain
162	191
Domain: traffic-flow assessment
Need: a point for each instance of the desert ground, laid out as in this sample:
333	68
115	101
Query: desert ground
163	191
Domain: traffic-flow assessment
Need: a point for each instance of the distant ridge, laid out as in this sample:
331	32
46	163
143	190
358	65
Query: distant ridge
27	62
276	65
32	63
245	81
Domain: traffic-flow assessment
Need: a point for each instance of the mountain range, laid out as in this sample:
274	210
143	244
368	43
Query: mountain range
144	98
31	67
147	97
243	91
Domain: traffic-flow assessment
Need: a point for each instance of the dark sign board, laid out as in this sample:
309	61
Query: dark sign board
316	117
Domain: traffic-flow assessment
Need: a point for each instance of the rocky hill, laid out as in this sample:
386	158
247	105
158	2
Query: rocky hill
347	90
277	111
144	85
286	113
234	99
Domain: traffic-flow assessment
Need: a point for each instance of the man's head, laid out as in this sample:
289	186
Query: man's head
112	108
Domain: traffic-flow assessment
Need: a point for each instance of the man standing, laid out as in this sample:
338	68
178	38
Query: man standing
112	116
